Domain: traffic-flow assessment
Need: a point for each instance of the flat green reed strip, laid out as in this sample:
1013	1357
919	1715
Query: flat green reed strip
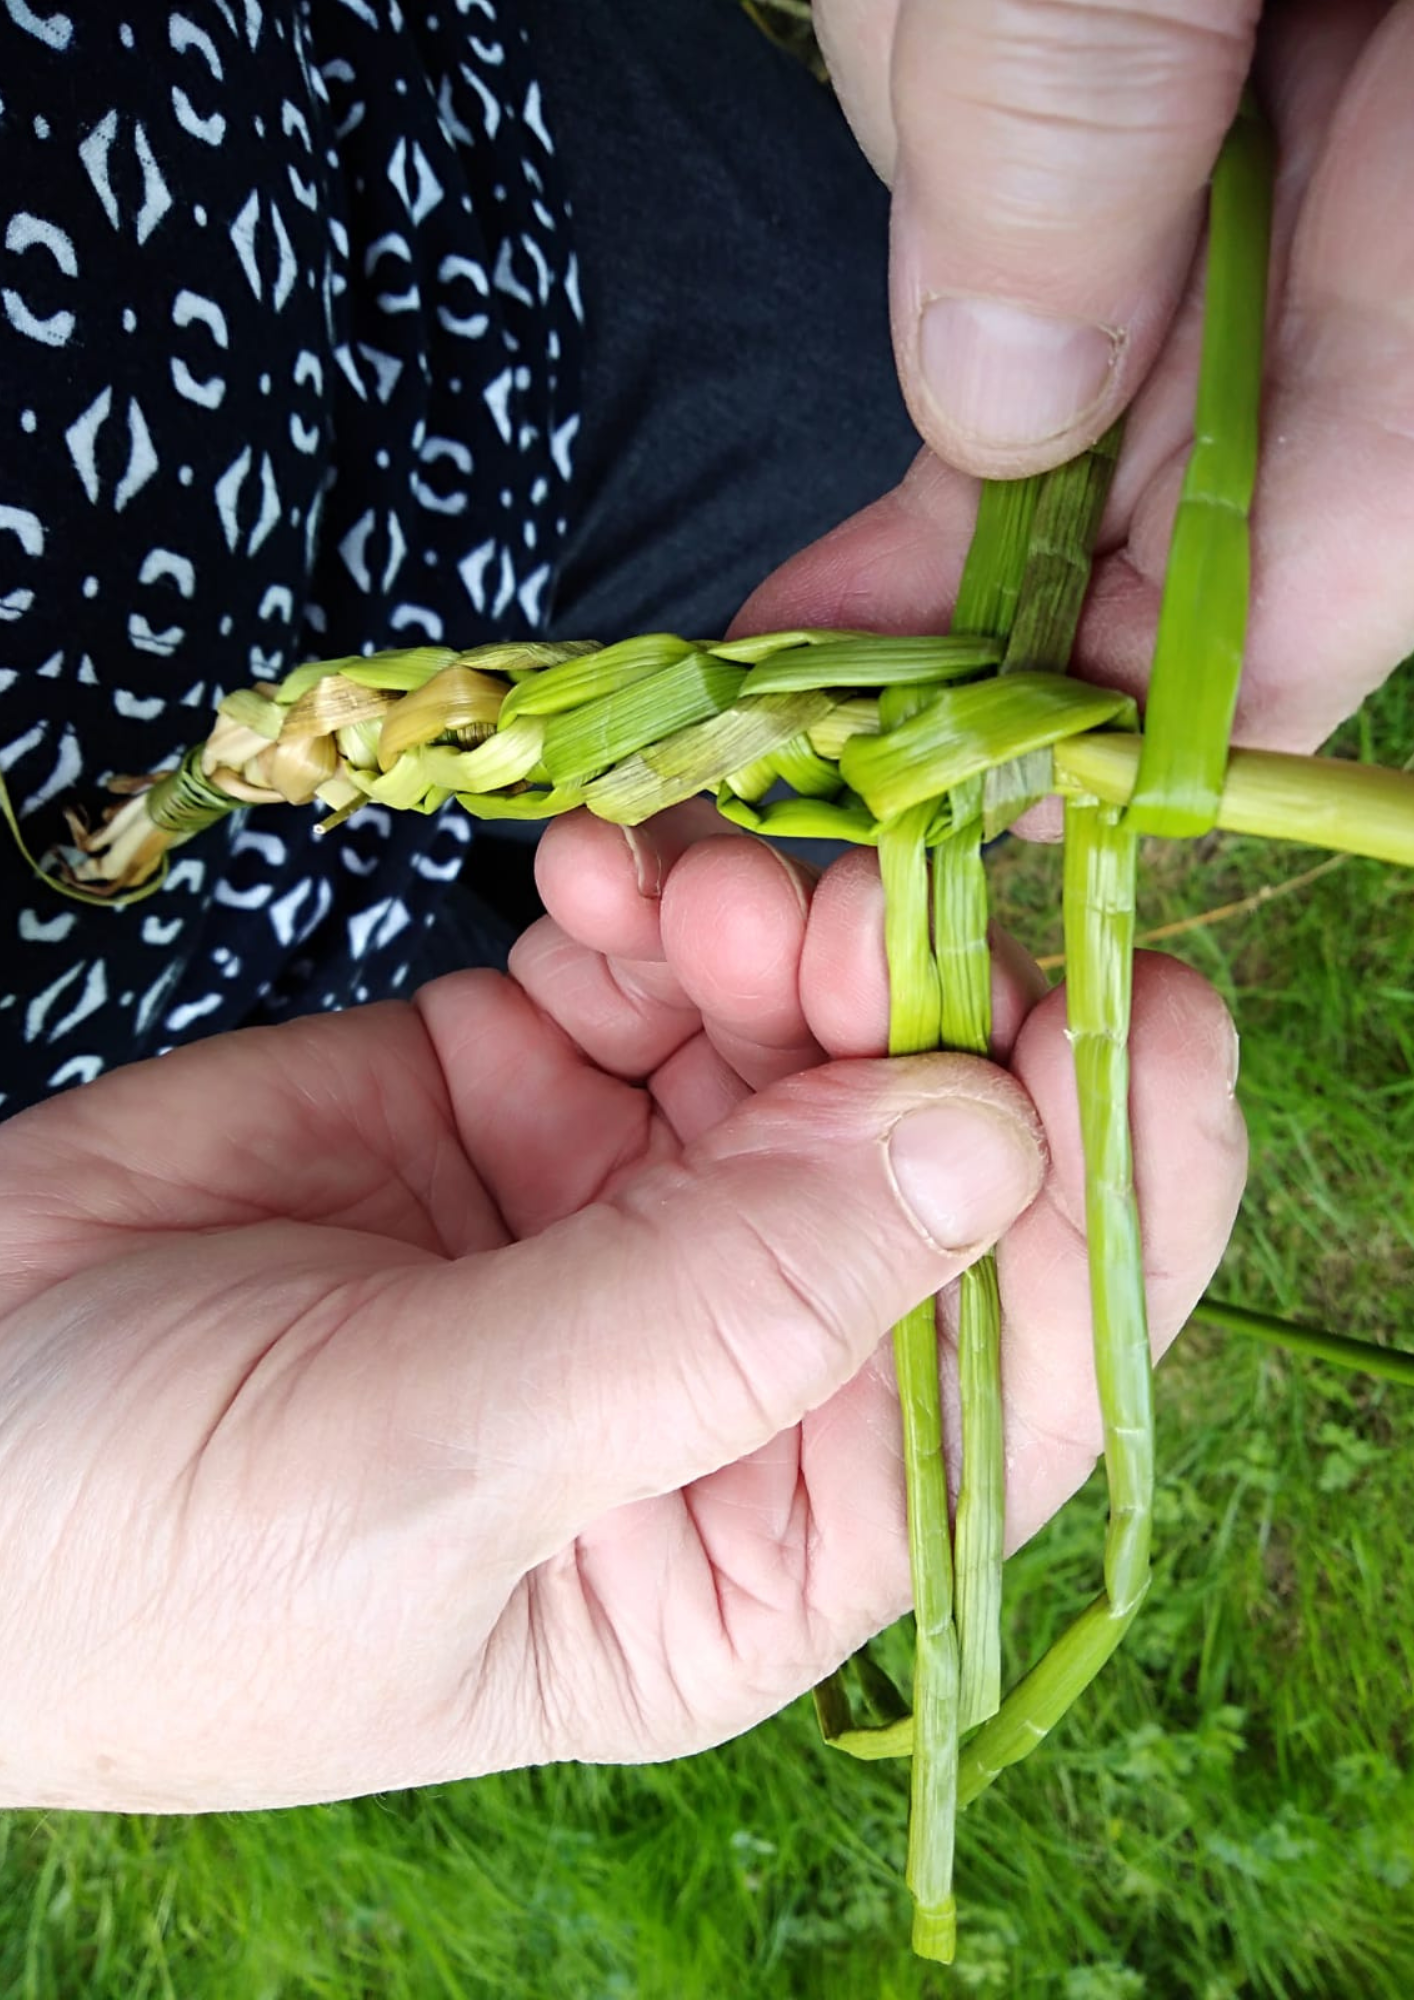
915	1016
933	1777
583	742
990	585
963	957
979	1533
1060	545
940	993
967	730
693	760
1026	571
568	684
1042	529
1389	1364
1039	1700
1100	866
869	661
1028	1714
987	598
914	1027
1060	548
1322	802
1101	855
960	945
1203	616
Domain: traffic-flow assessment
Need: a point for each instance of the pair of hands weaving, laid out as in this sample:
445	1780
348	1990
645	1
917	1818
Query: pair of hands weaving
918	748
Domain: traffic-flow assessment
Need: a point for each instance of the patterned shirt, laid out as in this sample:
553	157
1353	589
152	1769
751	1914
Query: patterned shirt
289	360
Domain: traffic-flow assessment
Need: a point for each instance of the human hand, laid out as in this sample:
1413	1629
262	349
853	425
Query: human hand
1053	159
497	1378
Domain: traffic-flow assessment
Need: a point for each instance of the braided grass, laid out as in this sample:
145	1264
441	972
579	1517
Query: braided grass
783	728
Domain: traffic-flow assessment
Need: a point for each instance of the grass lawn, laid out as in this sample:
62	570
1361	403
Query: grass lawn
1230	1812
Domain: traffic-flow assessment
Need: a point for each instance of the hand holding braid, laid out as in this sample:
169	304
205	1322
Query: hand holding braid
1053	159
440	1387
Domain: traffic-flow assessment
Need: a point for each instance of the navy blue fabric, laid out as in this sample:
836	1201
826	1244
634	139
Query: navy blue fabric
331	325
740	397
289	363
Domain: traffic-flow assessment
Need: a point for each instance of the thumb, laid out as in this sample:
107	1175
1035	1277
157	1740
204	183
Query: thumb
708	1304
1049	167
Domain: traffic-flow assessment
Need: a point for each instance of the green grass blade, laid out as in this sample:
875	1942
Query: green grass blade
914	1024
754	647
996	556
1317	801
1058	556
980	1525
801	819
582	742
964	731
397	671
867	661
963	959
1203	617
570	682
1060	546
915	1007
933	1805
960	917
1389	1364
1026	571
1100	862
1039	1700
694	759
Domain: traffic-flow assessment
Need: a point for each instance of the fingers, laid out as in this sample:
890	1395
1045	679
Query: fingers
544	1128
708	1304
337	1119
671	941
1334	611
1333	518
1189	1162
735	916
603	883
1333	601
756	968
844	974
892	567
1050	163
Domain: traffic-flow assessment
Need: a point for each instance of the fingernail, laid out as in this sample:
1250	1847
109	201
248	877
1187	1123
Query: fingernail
800	878
1008	378
647	862
965	1170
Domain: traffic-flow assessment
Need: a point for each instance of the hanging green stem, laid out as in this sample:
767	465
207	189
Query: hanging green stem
964	964
1030	1711
1389	1364
1100	864
1060	546
933	1801
914	1027
1039	1700
1024	580
1203	617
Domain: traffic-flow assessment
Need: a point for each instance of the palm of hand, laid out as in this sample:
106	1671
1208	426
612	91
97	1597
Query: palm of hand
370	1421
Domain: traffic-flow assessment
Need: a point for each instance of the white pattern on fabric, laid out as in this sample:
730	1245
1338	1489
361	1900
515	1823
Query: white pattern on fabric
288	366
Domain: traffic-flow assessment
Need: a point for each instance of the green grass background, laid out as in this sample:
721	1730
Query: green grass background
1230	1812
